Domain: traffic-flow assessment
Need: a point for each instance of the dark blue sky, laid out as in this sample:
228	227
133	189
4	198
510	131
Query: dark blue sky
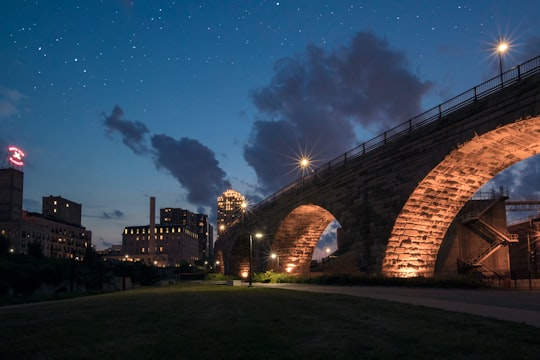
115	101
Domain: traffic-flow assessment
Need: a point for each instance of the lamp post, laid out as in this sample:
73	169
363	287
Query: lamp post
502	47
258	236
275	257
304	165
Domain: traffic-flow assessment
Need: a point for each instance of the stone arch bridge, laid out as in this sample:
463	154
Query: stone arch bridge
396	195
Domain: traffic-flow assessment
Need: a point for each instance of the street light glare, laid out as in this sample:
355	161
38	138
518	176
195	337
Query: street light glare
304	162
502	47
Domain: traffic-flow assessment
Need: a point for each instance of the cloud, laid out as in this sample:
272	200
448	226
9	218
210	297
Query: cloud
132	132
317	99
108	215
115	214
194	166
10	99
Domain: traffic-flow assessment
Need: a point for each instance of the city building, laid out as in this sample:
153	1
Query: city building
58	208
197	223
230	207
57	237
160	244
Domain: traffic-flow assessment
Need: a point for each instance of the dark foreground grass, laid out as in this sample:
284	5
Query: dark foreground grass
196	321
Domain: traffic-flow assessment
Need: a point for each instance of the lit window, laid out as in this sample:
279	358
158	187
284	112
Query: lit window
142	250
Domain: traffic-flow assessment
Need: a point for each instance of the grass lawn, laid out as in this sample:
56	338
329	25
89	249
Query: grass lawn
194	321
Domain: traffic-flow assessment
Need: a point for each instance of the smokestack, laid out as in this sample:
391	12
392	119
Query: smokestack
152	240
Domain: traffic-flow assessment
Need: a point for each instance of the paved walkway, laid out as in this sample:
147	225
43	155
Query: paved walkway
518	306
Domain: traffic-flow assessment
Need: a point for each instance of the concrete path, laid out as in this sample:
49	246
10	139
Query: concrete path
512	305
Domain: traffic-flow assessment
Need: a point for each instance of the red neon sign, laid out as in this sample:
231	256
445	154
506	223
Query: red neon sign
16	156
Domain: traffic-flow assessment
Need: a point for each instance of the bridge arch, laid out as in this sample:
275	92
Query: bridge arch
297	236
421	225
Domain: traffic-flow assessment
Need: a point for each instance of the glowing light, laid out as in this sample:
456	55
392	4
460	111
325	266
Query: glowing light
407	273
304	162
502	47
16	156
290	267
244	274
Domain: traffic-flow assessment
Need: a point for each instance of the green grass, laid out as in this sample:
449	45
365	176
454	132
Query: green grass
193	321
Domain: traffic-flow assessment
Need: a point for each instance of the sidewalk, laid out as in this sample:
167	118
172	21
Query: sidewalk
518	306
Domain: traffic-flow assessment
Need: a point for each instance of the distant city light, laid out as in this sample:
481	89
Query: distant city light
16	156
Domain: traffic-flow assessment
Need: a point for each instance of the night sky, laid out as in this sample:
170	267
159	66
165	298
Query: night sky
116	101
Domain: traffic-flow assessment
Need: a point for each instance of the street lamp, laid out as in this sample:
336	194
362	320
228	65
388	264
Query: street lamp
502	47
258	236
275	258
304	163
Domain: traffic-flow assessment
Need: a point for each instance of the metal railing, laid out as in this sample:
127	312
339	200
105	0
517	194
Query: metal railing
489	87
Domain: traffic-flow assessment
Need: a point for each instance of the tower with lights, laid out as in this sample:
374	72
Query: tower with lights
11	185
230	206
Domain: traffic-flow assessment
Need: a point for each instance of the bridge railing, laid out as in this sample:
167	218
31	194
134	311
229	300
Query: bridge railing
468	97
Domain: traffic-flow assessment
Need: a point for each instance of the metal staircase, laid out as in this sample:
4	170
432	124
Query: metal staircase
493	236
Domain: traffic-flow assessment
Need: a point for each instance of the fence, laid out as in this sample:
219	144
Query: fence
468	97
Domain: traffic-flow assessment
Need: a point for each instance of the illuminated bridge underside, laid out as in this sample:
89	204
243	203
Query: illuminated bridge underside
298	235
422	224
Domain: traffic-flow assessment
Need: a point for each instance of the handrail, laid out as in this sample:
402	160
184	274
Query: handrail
468	97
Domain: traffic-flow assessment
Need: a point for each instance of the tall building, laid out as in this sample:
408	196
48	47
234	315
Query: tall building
59	236
164	244
230	207
197	223
11	194
58	230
